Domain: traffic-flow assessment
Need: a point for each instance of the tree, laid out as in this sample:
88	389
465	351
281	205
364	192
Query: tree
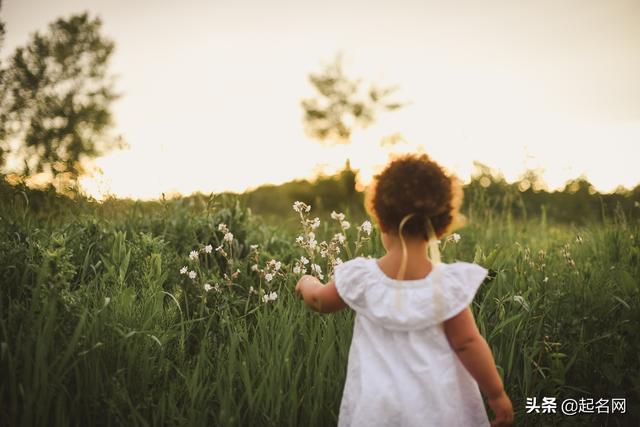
55	99
341	105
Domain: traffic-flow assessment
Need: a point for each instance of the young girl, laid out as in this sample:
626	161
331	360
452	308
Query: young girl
416	357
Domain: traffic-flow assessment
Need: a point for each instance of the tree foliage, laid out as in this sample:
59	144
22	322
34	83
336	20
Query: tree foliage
341	105
55	100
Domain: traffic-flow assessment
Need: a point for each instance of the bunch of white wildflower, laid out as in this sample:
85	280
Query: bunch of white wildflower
227	237
301	207
455	238
337	216
307	241
207	287
366	227
269	297
314	223
327	250
300	265
271	270
317	270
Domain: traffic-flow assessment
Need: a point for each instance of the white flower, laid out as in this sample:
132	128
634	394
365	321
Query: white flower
277	265
323	253
300	207
207	287
312	243
455	237
255	267
193	255
228	237
337	261
252	290
269	297
297	269
340	237
315	223
338	216
299	240
208	249
546	279
366	227
222	227
254	247
316	268
183	270
268	277
304	260
345	225
192	274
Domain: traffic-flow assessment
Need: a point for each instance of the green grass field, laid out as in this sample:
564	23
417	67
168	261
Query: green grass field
99	327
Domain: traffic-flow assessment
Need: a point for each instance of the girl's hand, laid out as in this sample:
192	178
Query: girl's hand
503	410
301	282
319	297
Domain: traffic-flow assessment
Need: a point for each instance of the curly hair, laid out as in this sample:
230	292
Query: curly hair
415	185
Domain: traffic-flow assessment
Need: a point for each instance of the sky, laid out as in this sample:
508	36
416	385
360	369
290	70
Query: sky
211	90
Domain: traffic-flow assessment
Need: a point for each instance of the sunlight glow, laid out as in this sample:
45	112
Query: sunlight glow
214	104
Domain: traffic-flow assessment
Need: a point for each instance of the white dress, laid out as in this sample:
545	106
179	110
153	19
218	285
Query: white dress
402	370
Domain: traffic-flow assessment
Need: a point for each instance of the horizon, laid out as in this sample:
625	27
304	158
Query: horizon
211	93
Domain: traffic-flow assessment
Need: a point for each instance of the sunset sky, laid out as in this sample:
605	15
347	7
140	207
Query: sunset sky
212	89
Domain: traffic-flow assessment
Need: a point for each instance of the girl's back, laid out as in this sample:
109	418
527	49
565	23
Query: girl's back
417	357
402	369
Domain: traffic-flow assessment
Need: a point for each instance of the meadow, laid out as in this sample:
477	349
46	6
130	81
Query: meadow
182	312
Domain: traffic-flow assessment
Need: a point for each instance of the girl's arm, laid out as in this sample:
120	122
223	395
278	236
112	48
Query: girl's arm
474	352
321	298
475	355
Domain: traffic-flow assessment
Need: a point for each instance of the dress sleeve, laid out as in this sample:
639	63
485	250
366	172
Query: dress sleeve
463	281
349	280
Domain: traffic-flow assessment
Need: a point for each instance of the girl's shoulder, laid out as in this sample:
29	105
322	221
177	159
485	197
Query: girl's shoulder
361	269
408	304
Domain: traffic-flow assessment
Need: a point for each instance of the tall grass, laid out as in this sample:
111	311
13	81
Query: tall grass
98	326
